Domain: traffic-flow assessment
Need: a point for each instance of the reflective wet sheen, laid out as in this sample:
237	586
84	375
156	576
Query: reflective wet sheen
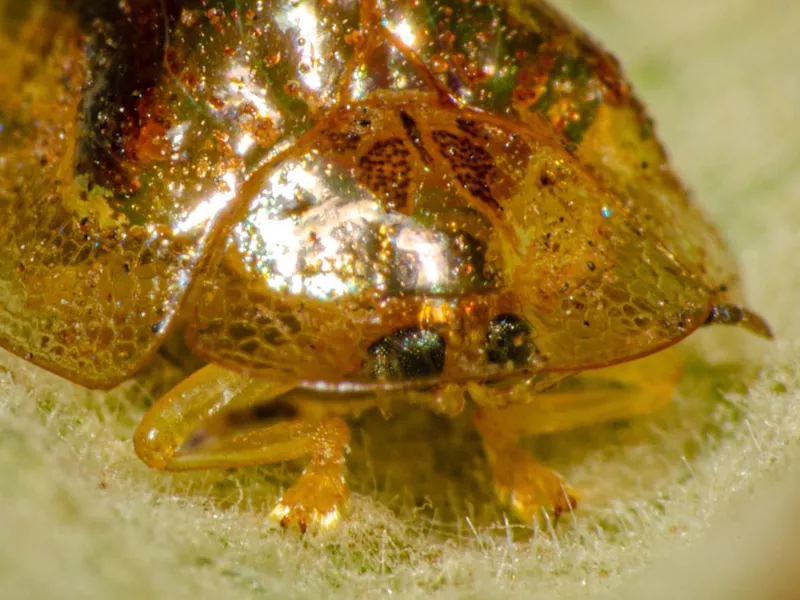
291	182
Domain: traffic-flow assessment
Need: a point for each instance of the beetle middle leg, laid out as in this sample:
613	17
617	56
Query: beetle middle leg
216	418
530	488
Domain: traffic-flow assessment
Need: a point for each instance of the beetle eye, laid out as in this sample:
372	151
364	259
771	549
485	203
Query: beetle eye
406	354
509	340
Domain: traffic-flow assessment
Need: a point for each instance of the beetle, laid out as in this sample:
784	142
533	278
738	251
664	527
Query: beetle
339	205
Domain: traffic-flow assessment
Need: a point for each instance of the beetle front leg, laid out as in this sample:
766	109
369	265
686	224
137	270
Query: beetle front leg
216	418
530	488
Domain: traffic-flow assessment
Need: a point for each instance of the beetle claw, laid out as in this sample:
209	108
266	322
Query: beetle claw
532	490
314	502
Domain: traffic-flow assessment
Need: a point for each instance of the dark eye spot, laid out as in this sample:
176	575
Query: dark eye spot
509	340
407	353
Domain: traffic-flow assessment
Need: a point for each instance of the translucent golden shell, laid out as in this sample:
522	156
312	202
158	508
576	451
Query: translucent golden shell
329	192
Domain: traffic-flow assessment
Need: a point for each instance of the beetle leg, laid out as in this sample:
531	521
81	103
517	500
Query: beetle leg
613	393
527	486
216	418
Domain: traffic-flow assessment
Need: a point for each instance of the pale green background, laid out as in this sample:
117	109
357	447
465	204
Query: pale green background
684	504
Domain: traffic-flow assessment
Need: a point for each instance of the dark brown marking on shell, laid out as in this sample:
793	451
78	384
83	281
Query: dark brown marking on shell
135	39
412	130
386	172
472	128
341	142
472	165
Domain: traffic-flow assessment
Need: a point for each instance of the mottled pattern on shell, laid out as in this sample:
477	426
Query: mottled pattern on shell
291	181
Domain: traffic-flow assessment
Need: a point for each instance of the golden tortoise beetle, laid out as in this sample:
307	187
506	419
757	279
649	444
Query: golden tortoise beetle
342	204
